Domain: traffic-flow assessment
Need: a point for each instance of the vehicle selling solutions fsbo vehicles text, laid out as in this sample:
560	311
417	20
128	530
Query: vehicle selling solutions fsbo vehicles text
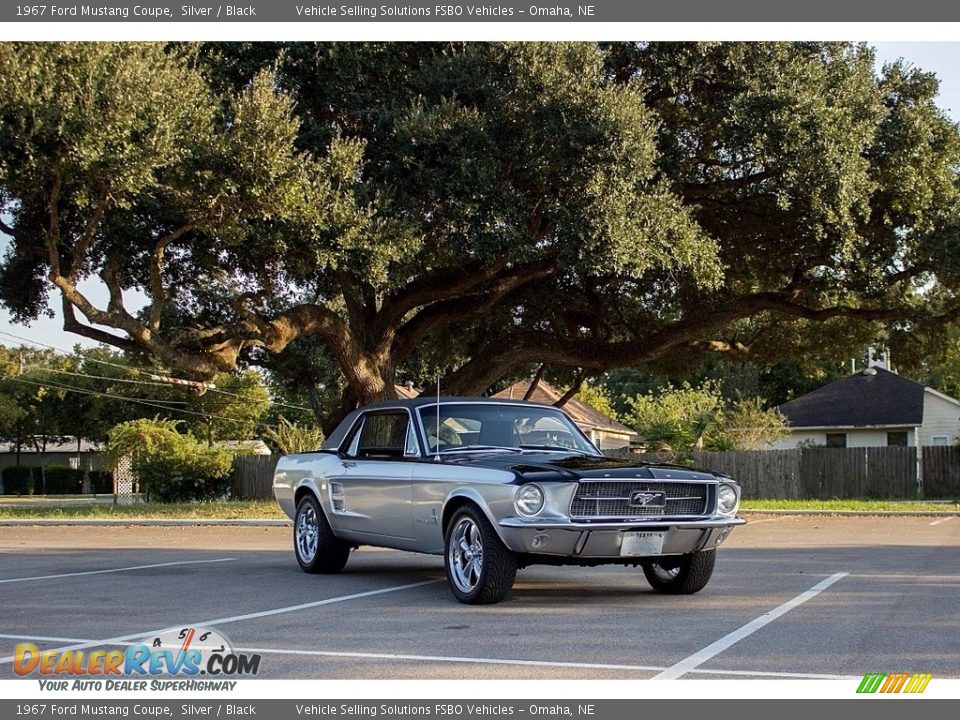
442	11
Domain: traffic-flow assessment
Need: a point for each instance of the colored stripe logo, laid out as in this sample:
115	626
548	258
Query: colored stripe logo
894	682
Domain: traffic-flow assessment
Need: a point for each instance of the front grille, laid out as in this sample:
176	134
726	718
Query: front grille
612	499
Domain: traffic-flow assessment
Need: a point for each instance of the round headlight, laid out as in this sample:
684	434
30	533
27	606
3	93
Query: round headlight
529	499
727	499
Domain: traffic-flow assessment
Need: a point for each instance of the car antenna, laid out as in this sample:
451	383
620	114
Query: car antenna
436	447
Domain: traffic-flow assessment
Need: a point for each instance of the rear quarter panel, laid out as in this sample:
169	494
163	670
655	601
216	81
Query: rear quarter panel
310	470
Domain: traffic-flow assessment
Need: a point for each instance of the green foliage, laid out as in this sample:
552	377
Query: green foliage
288	437
418	207
685	418
231	412
101	481
678	418
62	480
171	467
140	438
748	425
20	480
182	469
597	397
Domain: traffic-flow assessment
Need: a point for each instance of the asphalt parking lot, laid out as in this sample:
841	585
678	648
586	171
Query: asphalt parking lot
792	597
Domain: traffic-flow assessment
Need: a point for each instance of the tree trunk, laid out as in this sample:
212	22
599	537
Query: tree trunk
371	382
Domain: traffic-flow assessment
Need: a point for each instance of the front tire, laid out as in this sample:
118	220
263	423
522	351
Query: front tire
317	549
480	568
685	575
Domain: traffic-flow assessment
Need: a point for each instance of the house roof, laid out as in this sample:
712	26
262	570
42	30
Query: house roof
254	447
870	398
586	416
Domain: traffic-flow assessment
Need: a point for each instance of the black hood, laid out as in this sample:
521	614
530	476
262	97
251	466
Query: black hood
543	467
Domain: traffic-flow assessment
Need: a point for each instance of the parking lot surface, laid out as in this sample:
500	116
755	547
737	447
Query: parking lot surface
792	597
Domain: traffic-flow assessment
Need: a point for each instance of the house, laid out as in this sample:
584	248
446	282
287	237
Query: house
243	447
605	432
872	408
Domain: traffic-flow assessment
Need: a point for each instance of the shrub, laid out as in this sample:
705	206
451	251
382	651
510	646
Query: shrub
139	438
18	480
289	437
182	468
101	481
60	480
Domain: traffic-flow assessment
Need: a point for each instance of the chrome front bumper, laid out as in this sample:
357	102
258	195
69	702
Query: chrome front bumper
603	540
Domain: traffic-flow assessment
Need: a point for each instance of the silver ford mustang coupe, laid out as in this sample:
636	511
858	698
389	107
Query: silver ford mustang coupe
495	486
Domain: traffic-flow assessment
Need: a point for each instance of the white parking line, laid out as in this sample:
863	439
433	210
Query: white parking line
757	522
943	520
114	570
698	658
42	638
483	661
532	663
235	618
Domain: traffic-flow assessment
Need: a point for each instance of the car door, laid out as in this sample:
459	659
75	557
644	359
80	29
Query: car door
378	461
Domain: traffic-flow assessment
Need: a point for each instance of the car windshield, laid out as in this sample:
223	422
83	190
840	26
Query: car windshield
490	426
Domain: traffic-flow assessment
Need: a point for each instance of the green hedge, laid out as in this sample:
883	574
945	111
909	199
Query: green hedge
183	469
101	482
60	480
20	480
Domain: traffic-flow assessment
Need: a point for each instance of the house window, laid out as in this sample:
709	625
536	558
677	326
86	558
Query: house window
837	440
940	440
897	439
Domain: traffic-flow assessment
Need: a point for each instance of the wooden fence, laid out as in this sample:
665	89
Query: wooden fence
253	476
823	473
804	473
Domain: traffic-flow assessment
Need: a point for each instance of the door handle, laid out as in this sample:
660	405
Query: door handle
348	463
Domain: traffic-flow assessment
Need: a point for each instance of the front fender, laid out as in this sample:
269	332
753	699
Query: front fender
494	501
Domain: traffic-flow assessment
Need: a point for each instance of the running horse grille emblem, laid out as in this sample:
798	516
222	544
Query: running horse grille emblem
644	498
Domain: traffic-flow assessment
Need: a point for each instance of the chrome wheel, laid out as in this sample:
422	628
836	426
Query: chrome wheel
308	529
466	554
664	574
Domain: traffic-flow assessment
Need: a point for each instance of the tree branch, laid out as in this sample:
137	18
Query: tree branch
470	305
573	389
6	229
71	324
497	359
53	230
534	382
357	313
157	291
88	234
430	288
694	191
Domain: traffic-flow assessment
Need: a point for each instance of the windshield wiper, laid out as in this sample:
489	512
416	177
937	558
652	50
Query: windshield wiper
555	448
459	448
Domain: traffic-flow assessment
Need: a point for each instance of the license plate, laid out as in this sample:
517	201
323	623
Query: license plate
641	543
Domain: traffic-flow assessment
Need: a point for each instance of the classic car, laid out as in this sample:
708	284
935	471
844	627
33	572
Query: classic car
495	486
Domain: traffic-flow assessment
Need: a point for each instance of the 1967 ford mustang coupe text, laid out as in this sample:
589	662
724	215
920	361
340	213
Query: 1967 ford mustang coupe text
494	486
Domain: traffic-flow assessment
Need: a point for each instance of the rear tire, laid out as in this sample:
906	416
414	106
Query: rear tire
317	549
480	568
686	575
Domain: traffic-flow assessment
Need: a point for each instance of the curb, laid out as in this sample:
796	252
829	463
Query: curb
857	513
155	522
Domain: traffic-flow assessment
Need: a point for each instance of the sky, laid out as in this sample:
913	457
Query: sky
942	58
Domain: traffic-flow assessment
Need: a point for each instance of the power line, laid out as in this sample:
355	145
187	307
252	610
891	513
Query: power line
138	370
42	368
138	401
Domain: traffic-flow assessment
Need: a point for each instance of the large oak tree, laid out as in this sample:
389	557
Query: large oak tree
489	205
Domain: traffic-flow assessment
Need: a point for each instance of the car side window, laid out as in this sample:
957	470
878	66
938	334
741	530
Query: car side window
381	436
